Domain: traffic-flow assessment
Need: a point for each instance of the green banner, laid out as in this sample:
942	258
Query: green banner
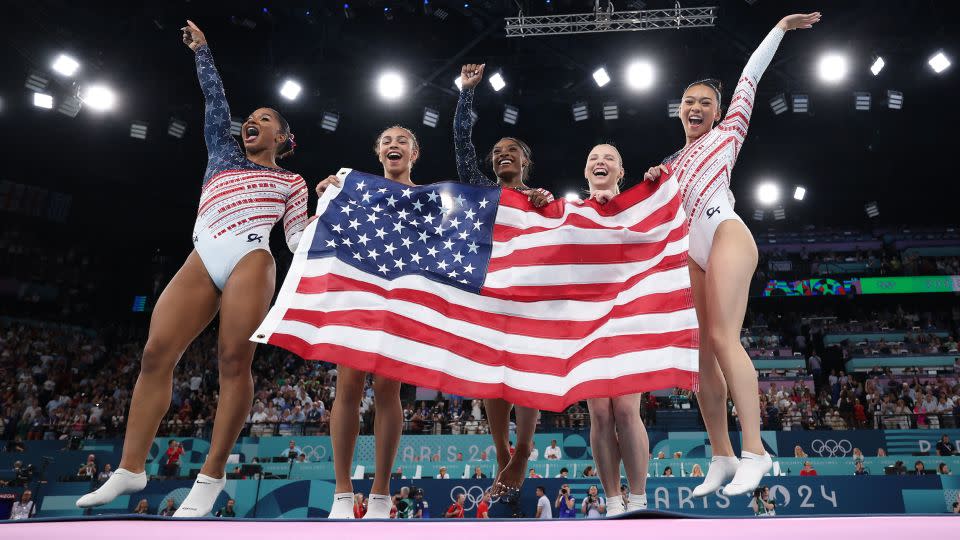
908	285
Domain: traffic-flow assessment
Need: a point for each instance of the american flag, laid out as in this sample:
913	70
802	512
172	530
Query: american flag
472	291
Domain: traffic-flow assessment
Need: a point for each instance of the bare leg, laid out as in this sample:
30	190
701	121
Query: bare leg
733	259
633	441
515	470
603	442
387	428
185	307
345	424
244	304
712	396
498	417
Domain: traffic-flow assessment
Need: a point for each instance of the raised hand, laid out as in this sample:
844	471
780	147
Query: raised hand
539	197
471	75
192	36
799	20
326	182
653	173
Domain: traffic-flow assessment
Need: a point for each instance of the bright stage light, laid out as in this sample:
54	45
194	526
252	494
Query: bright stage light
572	196
65	65
601	77
497	82
290	89
799	193
939	62
877	66
640	75
391	86
833	68
98	97
768	193
44	101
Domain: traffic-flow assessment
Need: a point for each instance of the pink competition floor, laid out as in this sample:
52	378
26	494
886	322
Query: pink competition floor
712	529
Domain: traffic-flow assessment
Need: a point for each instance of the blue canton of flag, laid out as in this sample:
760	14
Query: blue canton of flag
442	231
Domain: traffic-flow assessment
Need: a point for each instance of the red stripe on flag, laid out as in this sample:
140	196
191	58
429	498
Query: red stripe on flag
585	253
416	375
652	303
407	328
664	214
589	291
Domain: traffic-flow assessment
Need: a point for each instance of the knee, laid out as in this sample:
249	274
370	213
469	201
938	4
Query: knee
385	390
626	411
601	414
721	340
233	363
158	358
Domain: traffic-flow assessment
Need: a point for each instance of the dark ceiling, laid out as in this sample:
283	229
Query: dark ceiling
844	158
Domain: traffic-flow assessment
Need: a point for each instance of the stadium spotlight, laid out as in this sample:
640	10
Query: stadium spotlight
877	66
673	108
290	89
939	62
236	125
894	99
98	97
601	77
330	121
36	82
138	130
44	101
801	103
572	196
779	214
70	106
832	68
510	114
611	111
391	86
176	128
778	104
861	101
430	117
640	75
65	65
580	111
497	82
768	193
871	209
799	193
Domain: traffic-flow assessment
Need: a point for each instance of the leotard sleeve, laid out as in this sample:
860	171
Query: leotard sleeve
223	151
295	214
468	168
741	105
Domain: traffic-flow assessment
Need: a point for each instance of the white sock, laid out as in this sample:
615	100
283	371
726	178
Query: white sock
722	469
342	507
121	482
203	495
638	501
615	505
378	507
751	471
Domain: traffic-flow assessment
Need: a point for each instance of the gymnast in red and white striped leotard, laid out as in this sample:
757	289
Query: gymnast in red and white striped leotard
231	272
723	258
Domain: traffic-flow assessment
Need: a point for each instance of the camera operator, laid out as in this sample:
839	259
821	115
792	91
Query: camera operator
565	503
762	504
21	473
594	506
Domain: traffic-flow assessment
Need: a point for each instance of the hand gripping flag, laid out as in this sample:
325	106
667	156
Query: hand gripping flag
472	291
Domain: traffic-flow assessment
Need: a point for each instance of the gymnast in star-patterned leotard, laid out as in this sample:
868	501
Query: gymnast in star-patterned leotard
230	271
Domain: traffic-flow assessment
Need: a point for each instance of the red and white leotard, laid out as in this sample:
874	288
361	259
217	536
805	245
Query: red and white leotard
703	167
241	201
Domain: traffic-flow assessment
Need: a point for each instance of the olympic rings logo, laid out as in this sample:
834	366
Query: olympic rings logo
314	453
831	448
474	494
